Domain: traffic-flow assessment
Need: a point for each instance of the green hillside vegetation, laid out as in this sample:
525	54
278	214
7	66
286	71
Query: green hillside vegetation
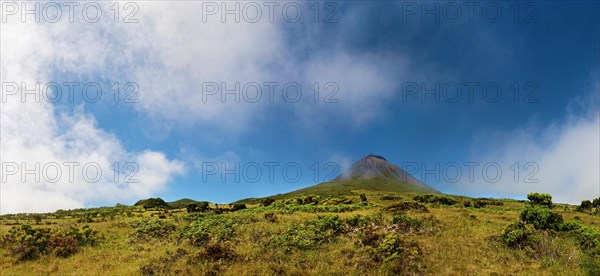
182	203
338	188
362	232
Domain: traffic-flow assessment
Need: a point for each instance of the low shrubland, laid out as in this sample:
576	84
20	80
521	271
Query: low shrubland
389	234
29	243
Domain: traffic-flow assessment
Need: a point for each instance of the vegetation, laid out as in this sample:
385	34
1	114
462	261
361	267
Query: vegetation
361	232
29	243
438	199
589	206
540	199
157	203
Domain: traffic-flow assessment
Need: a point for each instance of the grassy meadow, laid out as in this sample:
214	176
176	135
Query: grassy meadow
363	232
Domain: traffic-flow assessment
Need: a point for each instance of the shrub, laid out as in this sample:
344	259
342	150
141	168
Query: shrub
429	198
267	201
596	203
393	246
152	203
585	206
406	223
358	220
328	223
570	225
311	199
541	217
212	228
405	206
28	243
483	202
368	237
301	237
480	203
336	201
37	218
201	206
238	206
390	197
540	199
311	233
589	240
146	230
363	198
468	203
270	217
399	257
517	234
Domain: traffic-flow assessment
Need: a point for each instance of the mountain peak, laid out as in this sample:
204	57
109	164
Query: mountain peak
375	156
376	166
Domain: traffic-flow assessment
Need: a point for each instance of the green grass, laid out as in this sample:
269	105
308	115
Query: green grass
354	186
312	238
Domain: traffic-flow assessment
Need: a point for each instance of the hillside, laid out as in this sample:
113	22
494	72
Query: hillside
181	203
372	173
383	233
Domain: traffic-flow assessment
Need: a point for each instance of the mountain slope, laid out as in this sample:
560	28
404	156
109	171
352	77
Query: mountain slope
181	203
372	172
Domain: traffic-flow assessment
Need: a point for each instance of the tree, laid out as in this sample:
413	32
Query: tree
238	206
153	203
540	199
37	218
267	201
541	217
201	206
585	206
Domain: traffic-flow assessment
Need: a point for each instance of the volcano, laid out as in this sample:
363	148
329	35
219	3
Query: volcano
370	173
376	166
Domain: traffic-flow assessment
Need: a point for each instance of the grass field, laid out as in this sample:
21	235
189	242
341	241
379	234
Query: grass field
390	233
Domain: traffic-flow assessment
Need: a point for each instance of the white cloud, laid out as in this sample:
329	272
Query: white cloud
40	133
169	54
567	155
177	52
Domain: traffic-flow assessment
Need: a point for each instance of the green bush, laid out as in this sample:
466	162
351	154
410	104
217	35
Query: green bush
238	206
311	233
28	243
517	234
439	199
541	217
406	206
212	228
145	230
328	222
570	225
482	202
589	240
390	197
270	217
585	206
394	246
201	206
358	220
152	203
292	208
540	199
267	201
406	223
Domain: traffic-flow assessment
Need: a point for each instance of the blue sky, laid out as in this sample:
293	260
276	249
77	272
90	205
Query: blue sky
372	56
